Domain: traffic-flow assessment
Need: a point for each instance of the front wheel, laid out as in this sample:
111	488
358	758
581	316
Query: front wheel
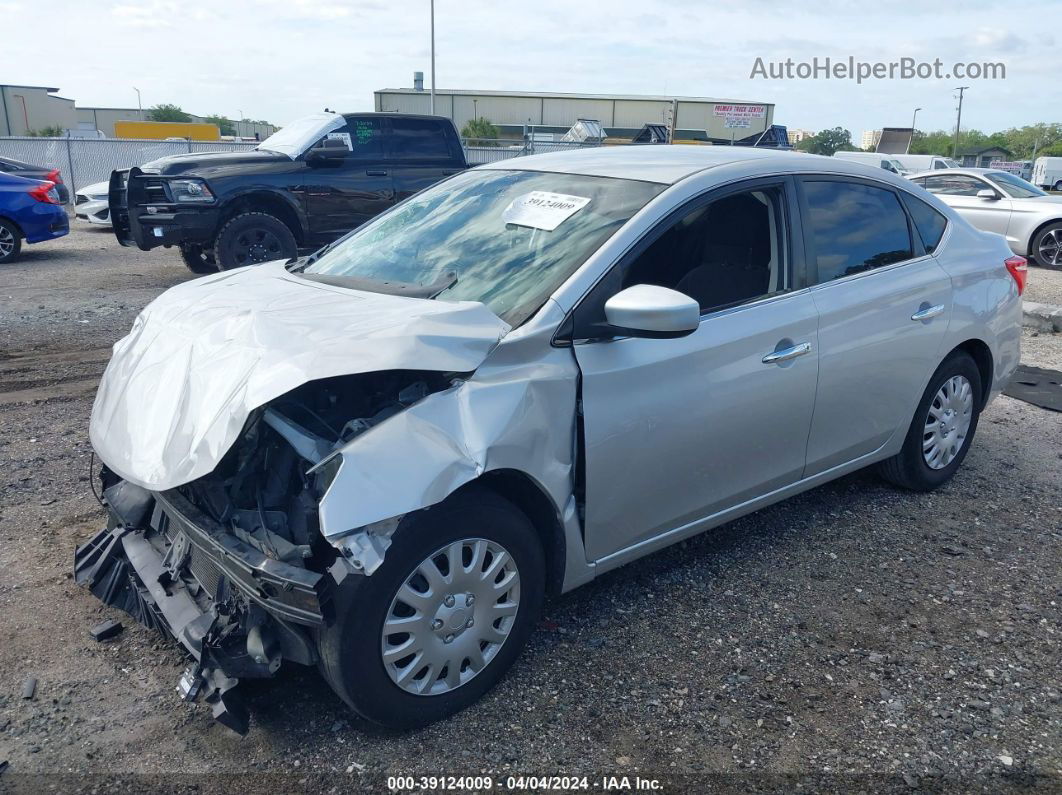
1047	246
942	429
198	260
252	238
443	617
10	241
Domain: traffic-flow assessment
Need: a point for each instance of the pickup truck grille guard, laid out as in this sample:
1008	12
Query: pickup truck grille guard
237	612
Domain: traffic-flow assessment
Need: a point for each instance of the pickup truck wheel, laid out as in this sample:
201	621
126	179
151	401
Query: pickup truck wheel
942	429
251	238
197	260
10	241
443	617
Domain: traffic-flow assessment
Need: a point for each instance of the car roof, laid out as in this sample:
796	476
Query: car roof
970	172
665	164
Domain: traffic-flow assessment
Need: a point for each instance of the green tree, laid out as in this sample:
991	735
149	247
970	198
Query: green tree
54	131
1054	150
479	132
223	122
827	142
167	112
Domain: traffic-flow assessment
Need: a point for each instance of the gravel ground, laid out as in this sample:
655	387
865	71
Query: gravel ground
853	638
1044	286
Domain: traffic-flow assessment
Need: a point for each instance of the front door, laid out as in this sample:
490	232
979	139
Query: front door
341	195
677	429
960	191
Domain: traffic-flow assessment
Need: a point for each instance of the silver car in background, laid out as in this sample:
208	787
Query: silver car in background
1004	203
380	459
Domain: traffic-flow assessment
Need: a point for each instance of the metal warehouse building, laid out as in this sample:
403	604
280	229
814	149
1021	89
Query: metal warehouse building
622	115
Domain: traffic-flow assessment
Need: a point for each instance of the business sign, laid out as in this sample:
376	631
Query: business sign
1013	166
733	123
748	112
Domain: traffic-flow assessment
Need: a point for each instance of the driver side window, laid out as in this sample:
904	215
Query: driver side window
724	253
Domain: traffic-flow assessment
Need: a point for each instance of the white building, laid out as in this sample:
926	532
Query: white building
870	140
622	115
797	135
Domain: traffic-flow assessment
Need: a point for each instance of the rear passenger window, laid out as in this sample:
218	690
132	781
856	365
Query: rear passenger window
854	228
419	139
929	223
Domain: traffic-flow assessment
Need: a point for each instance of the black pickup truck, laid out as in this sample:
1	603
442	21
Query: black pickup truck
301	188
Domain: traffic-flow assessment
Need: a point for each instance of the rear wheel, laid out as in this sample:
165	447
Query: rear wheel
443	618
252	238
942	429
197	260
1047	246
10	241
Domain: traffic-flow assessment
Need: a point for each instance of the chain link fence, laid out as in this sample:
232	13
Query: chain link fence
85	161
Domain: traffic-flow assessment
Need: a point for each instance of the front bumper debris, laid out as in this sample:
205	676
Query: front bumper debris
235	611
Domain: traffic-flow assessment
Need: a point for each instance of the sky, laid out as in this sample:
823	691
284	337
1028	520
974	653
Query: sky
280	59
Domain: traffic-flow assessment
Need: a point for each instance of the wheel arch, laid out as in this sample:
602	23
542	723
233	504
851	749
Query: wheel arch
14	223
1035	233
531	499
264	201
979	351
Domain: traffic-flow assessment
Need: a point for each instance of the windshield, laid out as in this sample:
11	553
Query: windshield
295	138
898	167
1014	186
510	237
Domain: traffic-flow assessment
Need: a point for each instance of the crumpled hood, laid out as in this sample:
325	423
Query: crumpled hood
202	356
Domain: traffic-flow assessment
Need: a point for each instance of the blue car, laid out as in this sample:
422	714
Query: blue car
30	210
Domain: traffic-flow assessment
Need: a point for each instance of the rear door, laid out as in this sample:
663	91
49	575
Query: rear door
344	194
883	305
422	151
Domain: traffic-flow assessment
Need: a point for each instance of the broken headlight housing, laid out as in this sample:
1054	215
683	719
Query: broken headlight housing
190	190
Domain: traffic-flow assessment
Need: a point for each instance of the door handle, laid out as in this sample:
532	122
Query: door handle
787	354
928	313
376	173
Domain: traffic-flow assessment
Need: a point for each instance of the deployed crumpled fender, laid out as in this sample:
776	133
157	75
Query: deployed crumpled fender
515	416
200	358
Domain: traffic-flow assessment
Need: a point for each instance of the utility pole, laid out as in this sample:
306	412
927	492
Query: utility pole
958	121
139	106
913	117
432	57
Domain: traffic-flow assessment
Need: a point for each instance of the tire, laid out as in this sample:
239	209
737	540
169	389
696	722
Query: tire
1058	185
10	241
351	648
909	468
1050	239
197	260
253	238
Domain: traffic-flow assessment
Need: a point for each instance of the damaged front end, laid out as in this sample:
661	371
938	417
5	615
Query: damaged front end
233	564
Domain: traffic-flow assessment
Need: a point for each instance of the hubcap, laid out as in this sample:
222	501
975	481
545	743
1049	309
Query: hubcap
947	422
450	617
257	245
1049	251
7	241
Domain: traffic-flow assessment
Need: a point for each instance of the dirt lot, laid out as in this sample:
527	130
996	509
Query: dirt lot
853	638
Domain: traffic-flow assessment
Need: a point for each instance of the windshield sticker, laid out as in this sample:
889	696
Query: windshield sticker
541	209
341	136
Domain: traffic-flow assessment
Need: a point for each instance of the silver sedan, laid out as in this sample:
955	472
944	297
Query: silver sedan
381	458
1000	202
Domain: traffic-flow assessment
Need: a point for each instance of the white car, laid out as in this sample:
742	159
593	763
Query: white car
1004	203
90	204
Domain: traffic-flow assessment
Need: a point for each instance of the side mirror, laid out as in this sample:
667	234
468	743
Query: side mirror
329	151
647	310
987	193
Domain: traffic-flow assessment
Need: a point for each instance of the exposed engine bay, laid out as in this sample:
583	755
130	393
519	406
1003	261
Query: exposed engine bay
233	564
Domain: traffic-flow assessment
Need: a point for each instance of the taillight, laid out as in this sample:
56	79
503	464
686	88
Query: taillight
54	176
45	192
1019	269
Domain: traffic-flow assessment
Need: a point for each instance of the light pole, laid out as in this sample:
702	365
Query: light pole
913	117
139	106
958	121
432	57
239	124
475	109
